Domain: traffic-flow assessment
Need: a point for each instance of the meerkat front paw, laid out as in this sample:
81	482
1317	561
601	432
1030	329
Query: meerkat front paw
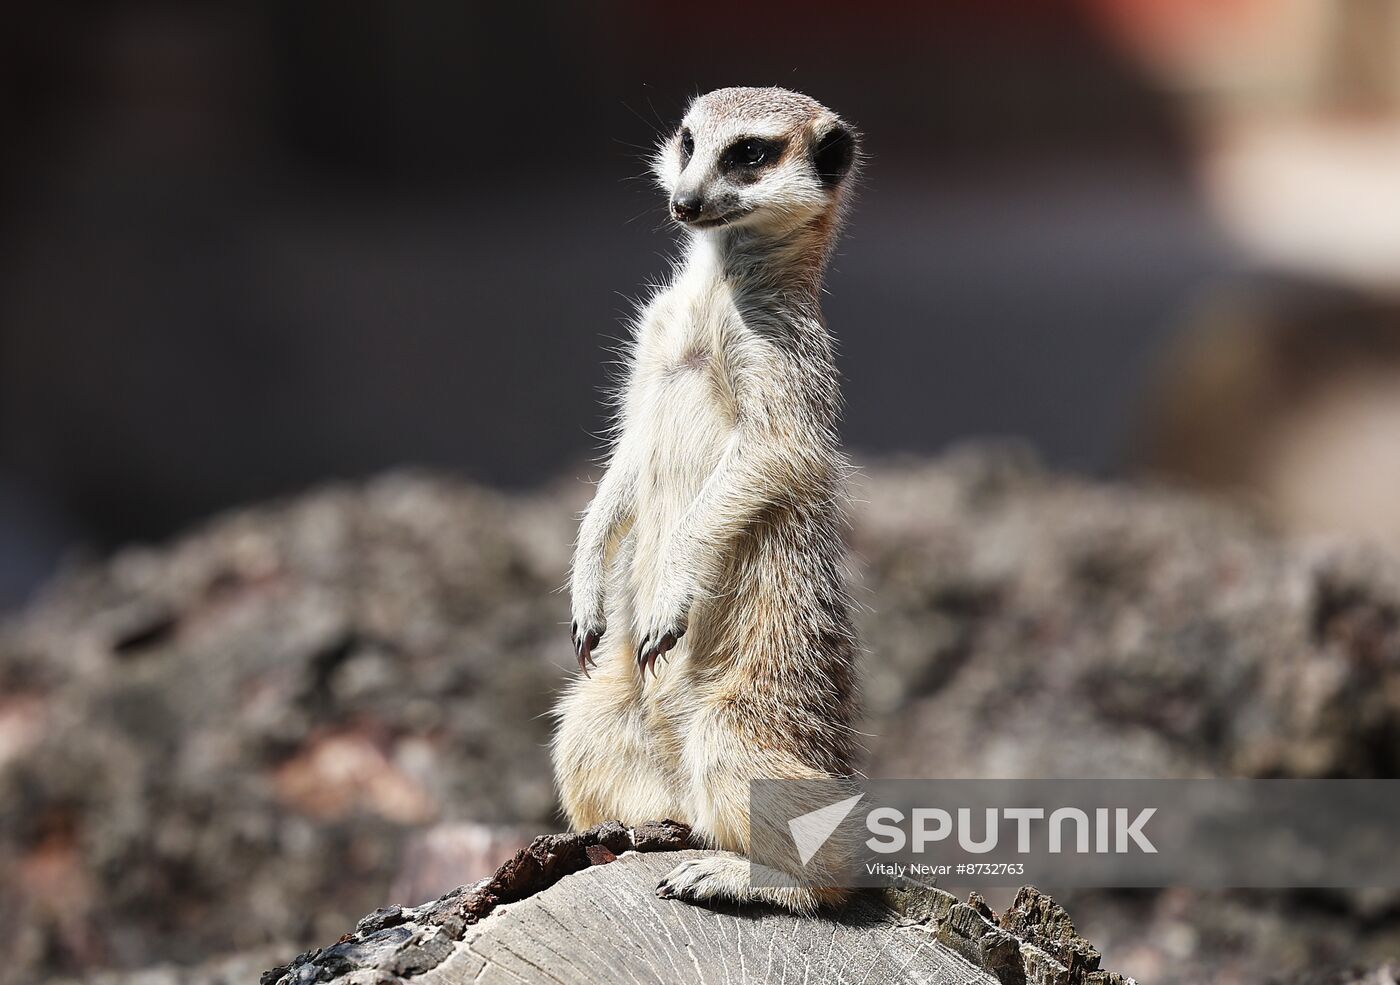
700	880
664	626
656	644
585	634
659	639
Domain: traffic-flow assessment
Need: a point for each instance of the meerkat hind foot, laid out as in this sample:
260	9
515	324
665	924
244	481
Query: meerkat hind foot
715	877
725	878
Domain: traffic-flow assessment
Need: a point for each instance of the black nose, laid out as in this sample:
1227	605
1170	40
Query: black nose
687	208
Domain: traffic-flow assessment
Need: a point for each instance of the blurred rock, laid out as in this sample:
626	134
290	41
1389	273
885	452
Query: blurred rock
230	740
438	858
1024	624
234	969
1388	974
295	714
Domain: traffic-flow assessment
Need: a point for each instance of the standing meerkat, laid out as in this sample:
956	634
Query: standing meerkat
713	543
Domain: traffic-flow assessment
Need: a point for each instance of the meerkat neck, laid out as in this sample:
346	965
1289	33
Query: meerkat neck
787	265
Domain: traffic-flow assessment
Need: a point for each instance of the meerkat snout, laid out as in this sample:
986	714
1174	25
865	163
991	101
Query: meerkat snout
765	158
687	207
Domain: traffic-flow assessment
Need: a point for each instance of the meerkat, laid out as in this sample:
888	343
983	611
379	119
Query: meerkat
711	555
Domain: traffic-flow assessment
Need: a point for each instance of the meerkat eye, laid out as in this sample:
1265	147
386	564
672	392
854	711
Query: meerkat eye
687	146
751	153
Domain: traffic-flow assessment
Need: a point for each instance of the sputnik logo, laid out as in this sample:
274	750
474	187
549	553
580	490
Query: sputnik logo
810	831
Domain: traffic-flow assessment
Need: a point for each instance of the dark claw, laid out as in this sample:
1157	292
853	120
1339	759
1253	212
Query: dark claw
648	652
663	890
663	646
583	647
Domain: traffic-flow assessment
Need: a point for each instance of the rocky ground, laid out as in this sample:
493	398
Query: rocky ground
249	737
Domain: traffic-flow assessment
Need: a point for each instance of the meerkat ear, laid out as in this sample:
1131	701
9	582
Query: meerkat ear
833	153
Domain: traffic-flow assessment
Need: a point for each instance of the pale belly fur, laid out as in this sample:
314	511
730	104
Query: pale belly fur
686	436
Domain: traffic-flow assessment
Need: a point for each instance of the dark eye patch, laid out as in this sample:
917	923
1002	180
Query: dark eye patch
687	146
751	153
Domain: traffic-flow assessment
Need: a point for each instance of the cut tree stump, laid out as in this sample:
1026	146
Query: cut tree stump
571	910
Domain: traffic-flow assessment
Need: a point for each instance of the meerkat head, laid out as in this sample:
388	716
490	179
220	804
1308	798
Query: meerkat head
756	158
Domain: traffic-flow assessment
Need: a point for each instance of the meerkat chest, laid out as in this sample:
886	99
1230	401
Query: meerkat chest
685	409
694	335
688	364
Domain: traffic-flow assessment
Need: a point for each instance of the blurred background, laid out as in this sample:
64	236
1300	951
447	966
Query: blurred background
246	247
253	249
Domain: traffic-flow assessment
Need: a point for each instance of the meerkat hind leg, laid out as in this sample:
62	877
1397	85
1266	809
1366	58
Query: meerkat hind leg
722	757
606	766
